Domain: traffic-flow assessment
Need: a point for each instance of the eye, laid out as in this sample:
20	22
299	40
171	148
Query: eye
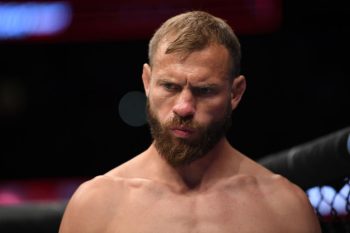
204	91
170	86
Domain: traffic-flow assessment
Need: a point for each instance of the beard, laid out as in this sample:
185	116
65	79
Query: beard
178	151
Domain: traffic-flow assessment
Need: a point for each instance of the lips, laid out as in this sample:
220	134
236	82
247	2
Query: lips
182	132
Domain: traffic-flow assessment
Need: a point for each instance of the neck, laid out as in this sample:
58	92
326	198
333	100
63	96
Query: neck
200	173
194	175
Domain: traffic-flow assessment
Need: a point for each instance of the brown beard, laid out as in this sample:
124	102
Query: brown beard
177	151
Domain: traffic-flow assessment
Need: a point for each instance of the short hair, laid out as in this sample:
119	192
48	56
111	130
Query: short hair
193	31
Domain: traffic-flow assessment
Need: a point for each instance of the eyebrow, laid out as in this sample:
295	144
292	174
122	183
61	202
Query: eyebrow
175	81
205	85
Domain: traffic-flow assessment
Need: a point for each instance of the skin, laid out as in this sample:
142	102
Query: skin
224	191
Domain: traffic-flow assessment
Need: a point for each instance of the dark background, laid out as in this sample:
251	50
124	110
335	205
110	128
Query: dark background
64	120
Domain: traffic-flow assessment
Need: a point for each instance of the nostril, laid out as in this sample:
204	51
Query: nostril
184	110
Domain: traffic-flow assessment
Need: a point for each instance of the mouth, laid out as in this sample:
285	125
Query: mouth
182	132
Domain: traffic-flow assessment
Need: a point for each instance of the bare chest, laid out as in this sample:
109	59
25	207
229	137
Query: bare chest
215	212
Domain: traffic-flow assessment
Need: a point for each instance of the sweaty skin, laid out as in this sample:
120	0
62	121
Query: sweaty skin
221	192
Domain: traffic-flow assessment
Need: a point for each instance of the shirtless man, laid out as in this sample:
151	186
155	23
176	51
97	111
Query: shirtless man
190	179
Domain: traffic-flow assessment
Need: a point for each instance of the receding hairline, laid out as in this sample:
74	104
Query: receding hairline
195	30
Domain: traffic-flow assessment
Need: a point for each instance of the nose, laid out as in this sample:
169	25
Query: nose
185	104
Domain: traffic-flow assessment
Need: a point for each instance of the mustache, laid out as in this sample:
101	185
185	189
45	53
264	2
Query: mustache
178	121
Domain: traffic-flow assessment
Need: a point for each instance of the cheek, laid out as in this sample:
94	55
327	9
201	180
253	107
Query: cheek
213	112
161	107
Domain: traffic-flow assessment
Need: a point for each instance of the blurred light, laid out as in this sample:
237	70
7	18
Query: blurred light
328	194
345	191
9	197
340	204
37	190
314	196
348	144
19	20
324	208
326	198
132	108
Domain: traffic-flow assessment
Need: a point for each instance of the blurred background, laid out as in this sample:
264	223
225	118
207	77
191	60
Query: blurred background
71	102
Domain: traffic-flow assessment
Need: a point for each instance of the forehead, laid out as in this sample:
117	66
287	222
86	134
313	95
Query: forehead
211	61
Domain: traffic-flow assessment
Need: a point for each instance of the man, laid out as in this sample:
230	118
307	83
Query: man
190	179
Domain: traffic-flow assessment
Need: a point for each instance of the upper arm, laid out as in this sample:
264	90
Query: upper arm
292	203
86	210
304	212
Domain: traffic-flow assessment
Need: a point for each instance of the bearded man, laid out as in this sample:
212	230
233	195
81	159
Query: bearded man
190	179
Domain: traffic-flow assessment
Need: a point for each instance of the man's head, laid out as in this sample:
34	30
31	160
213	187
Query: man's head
192	31
192	84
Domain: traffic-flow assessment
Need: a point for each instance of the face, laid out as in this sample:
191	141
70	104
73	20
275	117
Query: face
190	100
179	150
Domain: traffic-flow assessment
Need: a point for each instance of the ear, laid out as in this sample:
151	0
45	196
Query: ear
237	90
146	77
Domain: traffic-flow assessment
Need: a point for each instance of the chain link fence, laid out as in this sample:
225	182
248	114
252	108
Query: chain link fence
332	205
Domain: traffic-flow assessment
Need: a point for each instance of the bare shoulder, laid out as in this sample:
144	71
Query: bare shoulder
281	190
97	202
89	208
284	199
289	201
